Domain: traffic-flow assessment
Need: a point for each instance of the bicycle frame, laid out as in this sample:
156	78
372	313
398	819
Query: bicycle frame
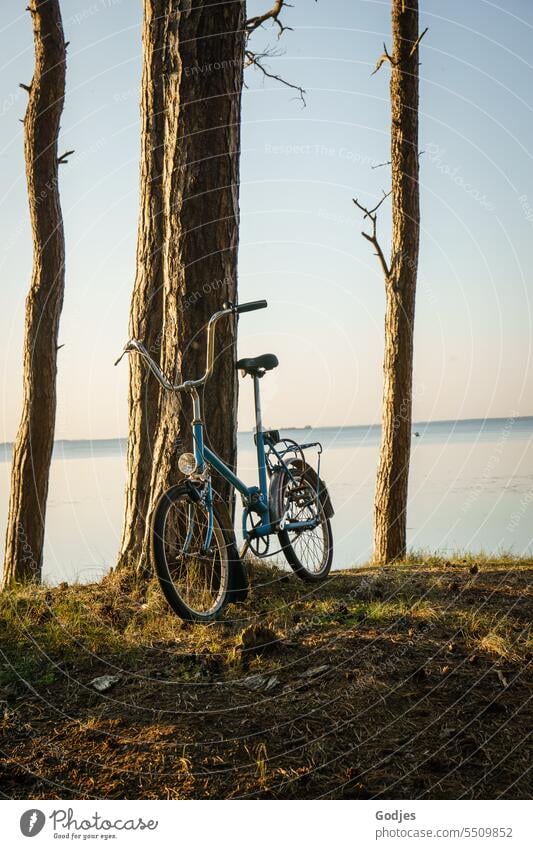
255	498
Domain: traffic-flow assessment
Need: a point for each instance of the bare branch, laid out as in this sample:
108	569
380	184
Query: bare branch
272	14
381	165
63	159
384	198
256	60
372	236
385	57
253	58
415	46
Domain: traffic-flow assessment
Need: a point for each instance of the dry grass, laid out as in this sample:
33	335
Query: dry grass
405	682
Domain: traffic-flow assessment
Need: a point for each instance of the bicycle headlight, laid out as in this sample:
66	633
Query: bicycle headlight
187	464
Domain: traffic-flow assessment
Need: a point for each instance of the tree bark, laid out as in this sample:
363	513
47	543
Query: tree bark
201	49
147	300
390	506
34	442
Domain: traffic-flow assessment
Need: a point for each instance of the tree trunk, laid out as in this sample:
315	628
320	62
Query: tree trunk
34	442
390	506
147	300
201	64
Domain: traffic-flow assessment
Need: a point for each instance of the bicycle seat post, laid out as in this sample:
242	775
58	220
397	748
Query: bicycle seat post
259	443
257	400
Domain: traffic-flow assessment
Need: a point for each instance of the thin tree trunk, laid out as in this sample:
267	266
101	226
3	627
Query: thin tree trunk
34	442
390	506
147	299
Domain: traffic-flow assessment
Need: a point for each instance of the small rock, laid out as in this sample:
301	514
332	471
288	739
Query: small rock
104	682
474	569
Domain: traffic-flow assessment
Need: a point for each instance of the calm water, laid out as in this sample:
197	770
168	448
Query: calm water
471	489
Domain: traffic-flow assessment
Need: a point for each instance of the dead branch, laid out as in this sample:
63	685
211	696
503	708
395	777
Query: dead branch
272	14
371	214
256	59
381	164
25	87
414	48
63	159
385	57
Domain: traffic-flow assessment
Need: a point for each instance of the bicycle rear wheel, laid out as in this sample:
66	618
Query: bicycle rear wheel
196	582
309	551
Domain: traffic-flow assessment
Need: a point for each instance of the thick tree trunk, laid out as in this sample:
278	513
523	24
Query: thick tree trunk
390	506
200	54
33	446
201	204
147	300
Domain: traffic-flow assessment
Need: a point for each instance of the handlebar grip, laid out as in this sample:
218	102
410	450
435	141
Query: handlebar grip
250	306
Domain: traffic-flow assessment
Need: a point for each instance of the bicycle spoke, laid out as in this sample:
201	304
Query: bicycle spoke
310	545
197	575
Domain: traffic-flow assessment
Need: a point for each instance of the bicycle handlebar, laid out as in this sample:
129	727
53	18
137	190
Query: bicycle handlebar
134	346
248	307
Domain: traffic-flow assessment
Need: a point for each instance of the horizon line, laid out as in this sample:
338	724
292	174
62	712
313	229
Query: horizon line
418	422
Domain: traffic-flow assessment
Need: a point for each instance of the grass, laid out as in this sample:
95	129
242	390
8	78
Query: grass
401	682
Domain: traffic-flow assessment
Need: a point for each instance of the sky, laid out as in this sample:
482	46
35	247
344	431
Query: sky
301	245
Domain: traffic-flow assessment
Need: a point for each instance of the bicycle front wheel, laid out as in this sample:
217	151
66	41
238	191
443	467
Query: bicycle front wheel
195	579
309	551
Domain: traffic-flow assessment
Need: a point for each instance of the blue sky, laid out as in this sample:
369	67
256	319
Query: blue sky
300	233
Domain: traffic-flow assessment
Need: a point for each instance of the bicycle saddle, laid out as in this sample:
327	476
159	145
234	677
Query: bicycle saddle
257	365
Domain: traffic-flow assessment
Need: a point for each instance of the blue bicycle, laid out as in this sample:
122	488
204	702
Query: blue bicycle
193	541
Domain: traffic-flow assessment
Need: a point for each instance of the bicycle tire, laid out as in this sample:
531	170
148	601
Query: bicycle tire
222	555
288	540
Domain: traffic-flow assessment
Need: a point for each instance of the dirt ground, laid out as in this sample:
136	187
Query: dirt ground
401	683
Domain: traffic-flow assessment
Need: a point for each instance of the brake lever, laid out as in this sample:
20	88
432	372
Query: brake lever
127	348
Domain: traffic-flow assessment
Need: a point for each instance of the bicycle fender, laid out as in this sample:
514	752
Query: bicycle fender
275	505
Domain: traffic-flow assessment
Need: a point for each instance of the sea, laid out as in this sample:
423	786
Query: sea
470	490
